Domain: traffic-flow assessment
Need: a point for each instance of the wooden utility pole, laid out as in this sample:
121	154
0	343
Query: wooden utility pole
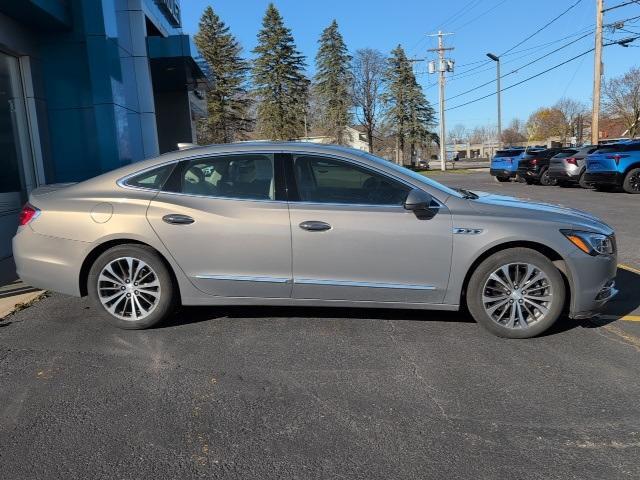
444	66
597	75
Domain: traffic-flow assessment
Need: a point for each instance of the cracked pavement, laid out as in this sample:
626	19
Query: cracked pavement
261	393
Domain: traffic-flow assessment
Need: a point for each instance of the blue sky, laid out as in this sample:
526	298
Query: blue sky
480	26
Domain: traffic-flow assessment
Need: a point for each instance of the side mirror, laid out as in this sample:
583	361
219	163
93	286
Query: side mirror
420	203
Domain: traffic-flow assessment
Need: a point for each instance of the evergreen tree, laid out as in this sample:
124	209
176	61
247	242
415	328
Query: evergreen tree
408	111
332	82
278	77
227	100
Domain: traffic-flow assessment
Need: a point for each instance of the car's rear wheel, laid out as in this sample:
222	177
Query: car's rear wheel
631	183
131	286
546	179
516	293
502	179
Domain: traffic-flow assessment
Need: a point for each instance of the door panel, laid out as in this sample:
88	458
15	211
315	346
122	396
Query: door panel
352	239
382	254
232	247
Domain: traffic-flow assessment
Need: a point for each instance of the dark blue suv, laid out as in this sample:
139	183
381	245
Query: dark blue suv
614	166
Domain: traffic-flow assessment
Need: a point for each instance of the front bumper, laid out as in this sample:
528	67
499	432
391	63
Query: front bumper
592	283
604	178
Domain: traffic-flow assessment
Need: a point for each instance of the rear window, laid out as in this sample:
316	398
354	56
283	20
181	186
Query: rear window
508	153
634	147
616	147
152	179
566	153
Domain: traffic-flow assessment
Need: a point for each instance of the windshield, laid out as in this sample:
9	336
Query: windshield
414	175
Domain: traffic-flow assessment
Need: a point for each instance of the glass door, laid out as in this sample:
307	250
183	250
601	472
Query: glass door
14	150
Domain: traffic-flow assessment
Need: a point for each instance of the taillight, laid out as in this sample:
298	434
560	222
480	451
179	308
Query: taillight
616	158
534	161
28	213
572	161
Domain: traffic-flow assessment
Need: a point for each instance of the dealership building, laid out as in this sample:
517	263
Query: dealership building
87	86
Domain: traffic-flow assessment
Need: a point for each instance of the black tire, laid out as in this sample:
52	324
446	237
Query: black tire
529	181
502	179
167	291
545	179
631	183
480	277
582	182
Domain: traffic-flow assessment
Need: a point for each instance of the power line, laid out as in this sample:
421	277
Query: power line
521	67
620	5
481	15
542	28
539	74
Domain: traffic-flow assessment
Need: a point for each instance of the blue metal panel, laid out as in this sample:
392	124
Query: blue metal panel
46	14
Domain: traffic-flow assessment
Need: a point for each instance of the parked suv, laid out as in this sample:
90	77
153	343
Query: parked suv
504	163
568	166
534	166
614	166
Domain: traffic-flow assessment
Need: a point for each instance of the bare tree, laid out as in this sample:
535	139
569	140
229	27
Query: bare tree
459	134
575	114
368	67
622	99
483	134
514	133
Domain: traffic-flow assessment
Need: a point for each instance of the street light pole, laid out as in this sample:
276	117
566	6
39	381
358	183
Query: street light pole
496	59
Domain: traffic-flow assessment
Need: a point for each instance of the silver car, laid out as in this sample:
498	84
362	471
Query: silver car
568	166
307	224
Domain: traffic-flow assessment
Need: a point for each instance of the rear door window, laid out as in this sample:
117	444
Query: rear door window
245	176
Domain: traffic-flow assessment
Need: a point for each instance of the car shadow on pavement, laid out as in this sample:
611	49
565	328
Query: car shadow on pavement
627	301
188	315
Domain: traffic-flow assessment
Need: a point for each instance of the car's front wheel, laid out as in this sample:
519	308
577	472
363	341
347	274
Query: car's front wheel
131	286
516	293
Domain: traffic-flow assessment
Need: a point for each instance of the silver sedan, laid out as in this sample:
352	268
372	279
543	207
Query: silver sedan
306	224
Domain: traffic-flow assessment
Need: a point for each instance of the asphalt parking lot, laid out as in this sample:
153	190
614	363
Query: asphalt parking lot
257	393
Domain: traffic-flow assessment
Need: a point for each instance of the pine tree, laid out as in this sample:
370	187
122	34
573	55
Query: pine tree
278	77
408	111
227	99
332	82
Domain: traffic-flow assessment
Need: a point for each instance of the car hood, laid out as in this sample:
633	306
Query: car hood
512	206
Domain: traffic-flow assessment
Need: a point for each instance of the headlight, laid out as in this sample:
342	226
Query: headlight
590	242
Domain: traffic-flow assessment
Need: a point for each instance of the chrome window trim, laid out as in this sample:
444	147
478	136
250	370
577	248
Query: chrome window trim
245	278
349	283
121	182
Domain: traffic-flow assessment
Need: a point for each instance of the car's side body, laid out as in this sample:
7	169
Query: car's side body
534	164
611	164
250	251
569	164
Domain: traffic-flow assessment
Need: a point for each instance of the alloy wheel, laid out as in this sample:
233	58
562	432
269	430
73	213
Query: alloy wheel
128	288
517	295
634	181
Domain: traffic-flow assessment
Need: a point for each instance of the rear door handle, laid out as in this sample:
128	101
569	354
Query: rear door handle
314	226
177	219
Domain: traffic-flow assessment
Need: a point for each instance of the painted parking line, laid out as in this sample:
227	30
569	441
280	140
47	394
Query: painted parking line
629	268
625	318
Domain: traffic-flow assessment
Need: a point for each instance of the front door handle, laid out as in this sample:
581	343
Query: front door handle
315	226
177	219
